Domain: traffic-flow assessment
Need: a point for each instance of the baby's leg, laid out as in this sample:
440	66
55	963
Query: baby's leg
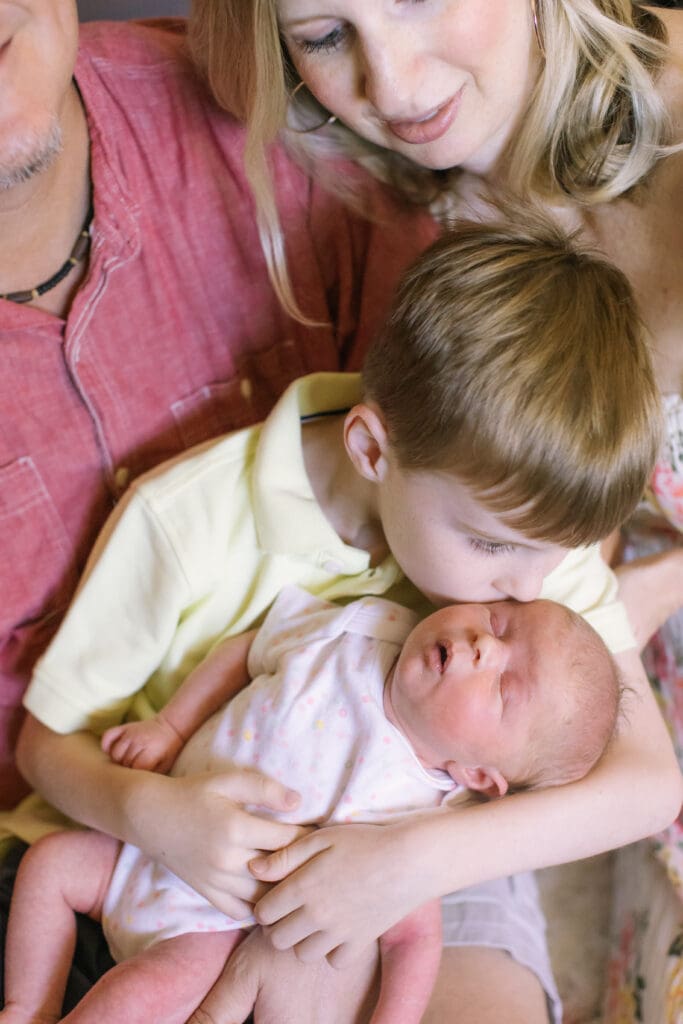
165	983
410	954
62	873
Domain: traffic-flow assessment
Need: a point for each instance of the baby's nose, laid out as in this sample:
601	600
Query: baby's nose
489	649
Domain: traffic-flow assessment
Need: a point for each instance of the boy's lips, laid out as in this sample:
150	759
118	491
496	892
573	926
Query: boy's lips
430	128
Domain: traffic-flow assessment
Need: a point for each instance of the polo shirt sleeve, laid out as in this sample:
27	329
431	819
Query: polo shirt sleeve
120	624
585	583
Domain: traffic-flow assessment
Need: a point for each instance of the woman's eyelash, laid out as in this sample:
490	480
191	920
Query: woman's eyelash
490	547
332	41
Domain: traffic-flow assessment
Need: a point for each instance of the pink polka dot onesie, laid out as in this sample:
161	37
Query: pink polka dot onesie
313	718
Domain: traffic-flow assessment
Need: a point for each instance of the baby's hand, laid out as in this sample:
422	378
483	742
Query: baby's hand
152	745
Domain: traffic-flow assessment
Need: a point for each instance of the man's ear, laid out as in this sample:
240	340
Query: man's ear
487	781
365	437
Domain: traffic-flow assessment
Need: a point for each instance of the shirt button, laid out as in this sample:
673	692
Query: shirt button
121	477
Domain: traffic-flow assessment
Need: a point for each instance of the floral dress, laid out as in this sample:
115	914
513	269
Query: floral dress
646	966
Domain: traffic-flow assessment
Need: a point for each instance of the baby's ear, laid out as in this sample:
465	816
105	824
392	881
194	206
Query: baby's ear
487	781
365	437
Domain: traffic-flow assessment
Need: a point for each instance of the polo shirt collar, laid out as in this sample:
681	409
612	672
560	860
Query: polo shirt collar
289	519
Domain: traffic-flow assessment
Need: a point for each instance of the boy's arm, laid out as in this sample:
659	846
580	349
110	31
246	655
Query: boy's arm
210	852
344	886
155	743
652	589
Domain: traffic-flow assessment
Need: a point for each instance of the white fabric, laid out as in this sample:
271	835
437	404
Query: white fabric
313	716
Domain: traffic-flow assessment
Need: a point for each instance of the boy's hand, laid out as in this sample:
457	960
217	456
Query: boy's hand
152	745
343	887
219	835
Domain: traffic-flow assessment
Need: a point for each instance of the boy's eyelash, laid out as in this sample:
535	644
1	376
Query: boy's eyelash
490	547
332	41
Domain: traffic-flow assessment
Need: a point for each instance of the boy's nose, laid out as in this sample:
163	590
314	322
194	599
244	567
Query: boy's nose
525	587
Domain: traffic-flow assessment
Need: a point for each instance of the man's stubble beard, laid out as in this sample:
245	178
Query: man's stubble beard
33	155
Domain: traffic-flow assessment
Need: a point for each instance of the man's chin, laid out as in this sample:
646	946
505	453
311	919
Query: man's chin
32	156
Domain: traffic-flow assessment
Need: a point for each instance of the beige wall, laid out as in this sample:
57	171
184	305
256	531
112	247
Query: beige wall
89	9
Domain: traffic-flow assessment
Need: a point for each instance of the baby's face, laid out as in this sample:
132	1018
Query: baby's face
474	683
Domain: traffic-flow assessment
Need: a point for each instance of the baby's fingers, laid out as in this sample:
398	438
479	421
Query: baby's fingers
110	737
120	747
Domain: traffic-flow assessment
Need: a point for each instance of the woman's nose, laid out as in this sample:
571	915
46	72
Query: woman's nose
391	78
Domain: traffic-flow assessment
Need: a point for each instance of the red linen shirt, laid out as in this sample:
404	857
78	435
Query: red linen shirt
176	334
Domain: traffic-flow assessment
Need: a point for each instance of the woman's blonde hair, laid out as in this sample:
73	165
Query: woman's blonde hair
516	361
594	127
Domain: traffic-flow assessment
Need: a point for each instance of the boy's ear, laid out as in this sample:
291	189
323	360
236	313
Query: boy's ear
487	781
365	437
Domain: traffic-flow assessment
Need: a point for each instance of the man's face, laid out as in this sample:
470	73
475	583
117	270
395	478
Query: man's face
38	41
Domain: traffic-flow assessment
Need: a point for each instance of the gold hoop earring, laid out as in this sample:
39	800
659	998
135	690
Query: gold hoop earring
316	128
537	28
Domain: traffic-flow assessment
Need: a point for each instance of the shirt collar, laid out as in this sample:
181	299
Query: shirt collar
289	520
113	204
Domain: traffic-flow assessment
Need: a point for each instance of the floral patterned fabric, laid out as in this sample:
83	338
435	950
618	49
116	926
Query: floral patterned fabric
645	981
645	984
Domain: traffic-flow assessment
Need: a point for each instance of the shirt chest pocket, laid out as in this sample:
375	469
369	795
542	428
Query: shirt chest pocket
247	398
37	570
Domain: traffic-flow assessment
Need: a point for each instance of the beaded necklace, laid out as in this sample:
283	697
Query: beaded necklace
79	251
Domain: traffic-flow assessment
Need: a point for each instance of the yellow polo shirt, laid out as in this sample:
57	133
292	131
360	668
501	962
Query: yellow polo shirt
199	550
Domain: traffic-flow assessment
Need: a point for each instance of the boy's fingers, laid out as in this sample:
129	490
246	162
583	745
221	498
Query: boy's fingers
265	834
277	865
246	786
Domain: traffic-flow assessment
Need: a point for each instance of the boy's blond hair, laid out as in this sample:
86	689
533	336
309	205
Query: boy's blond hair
517	361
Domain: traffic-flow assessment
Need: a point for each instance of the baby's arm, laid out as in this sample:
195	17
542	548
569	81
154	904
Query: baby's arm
381	873
155	743
410	954
210	852
116	634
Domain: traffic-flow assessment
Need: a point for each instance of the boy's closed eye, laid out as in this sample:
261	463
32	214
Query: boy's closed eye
490	547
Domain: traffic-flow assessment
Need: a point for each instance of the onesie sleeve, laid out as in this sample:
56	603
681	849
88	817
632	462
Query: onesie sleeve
117	629
294	618
585	583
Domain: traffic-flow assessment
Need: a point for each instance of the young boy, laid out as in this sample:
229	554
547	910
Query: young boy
487	698
507	414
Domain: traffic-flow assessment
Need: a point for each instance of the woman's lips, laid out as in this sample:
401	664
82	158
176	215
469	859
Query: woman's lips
431	128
